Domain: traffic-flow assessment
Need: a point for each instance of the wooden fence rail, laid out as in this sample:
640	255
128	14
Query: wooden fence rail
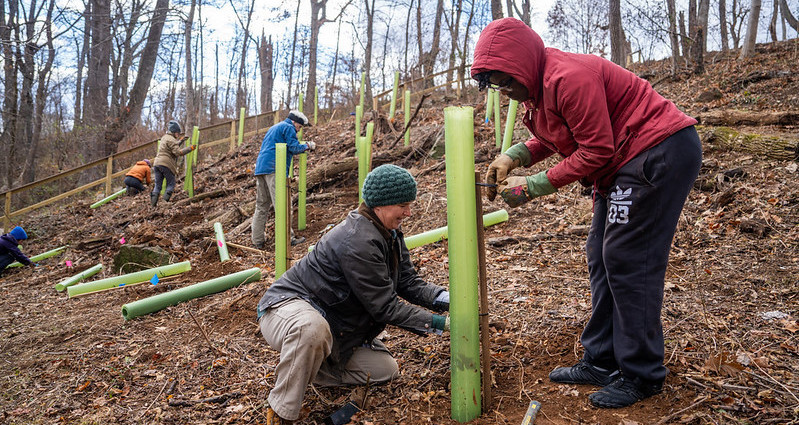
216	135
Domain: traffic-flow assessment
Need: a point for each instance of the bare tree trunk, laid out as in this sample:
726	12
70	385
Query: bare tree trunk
265	59
685	41
675	43
618	44
213	107
772	26
27	70
524	13
132	112
725	43
700	37
97	77
496	9
29	170
786	13
192	112
77	118
751	30
10	95
293	49
509	5
702	18
462	68
454	27
332	83
367	62
427	60
407	37
241	95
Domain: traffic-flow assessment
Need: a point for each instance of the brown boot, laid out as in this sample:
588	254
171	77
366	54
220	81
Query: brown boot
273	419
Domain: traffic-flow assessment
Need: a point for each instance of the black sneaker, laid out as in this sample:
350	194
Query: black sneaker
583	373
297	241
260	246
625	391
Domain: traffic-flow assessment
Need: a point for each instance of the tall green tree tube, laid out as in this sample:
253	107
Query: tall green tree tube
302	191
125	279
407	117
195	141
358	115
440	233
91	271
370	131
42	256
241	125
463	264
188	181
161	301
489	104
109	198
497	119
510	122
220	242
393	108
281	216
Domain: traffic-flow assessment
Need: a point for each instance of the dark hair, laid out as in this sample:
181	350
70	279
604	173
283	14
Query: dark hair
483	79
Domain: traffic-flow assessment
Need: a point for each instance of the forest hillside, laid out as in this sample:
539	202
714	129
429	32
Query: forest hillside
730	312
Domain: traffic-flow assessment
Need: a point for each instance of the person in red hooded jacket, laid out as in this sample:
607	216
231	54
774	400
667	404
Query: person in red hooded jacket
641	155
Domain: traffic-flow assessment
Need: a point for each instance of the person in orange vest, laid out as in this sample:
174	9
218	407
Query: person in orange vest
138	176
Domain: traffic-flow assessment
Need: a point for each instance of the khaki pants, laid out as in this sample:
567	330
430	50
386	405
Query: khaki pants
303	338
264	202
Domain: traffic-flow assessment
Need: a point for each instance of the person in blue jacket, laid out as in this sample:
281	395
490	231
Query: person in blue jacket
282	132
9	251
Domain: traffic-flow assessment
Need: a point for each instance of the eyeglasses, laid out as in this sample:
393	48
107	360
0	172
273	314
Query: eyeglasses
504	85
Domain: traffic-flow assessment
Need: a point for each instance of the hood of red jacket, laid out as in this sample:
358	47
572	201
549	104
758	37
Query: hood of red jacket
510	46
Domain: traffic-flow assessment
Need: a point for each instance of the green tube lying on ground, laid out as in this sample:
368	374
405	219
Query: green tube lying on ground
122	280
91	271
108	198
436	235
161	301
42	256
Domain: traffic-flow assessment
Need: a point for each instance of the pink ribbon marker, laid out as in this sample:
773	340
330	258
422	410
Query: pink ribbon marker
69	263
122	241
219	243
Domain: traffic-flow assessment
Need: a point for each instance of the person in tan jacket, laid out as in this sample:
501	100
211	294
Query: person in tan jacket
166	161
138	176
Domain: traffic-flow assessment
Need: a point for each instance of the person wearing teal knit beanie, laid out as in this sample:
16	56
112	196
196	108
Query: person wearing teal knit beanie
9	250
325	313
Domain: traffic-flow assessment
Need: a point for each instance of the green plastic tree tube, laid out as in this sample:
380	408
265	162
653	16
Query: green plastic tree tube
42	256
125	279
440	233
463	264
281	218
241	126
159	302
109	198
220	242
407	117
510	122
188	181
358	115
497	119
489	104
91	271
370	131
361	166
393	108
302	182
195	141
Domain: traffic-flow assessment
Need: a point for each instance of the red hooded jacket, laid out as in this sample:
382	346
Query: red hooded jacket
594	113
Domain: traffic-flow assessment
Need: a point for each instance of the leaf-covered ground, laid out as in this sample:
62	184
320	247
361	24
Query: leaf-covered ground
730	311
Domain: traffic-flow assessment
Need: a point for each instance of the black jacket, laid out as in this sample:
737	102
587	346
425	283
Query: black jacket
355	277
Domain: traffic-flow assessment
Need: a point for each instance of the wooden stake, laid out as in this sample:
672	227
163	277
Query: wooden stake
485	337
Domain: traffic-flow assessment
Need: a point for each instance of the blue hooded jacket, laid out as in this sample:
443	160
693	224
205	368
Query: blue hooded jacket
9	250
283	132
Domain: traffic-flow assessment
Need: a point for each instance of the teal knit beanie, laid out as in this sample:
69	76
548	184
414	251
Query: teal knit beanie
388	185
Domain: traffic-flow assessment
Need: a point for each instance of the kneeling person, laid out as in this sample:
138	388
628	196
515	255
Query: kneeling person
137	177
325	313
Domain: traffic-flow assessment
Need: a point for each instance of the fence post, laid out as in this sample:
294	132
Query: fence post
241	126
7	217
232	135
109	171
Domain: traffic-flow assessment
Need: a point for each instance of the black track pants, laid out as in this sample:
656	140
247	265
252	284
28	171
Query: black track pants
628	250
